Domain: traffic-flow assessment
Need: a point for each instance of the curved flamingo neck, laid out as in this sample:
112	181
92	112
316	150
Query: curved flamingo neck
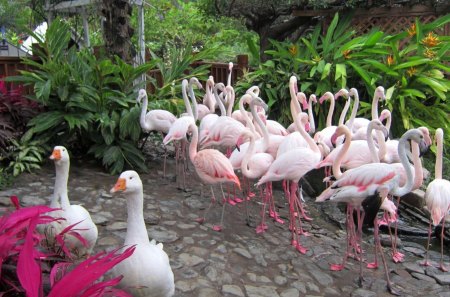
294	105
248	121
376	98
373	152
337	173
218	100
330	109
184	86
194	142
193	100
209	87
230	101
263	128
400	191
248	154
299	120
354	107
439	149
136	230
344	111
418	169
142	121
312	123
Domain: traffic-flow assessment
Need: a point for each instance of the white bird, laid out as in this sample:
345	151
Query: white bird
147	271
72	214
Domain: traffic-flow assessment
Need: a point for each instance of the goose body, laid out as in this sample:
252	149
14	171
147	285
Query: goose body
147	271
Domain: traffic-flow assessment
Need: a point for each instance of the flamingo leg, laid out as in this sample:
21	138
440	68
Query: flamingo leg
213	200
302	210
293	208
360	221
388	280
349	227
219	227
442	267
396	255
262	227
426	263
374	264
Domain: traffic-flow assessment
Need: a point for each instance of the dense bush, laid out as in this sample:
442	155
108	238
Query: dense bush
410	65
89	103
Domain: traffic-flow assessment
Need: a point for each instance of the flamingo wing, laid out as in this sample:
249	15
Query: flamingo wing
213	167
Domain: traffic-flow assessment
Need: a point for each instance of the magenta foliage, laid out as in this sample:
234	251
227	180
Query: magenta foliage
81	280
28	270
70	230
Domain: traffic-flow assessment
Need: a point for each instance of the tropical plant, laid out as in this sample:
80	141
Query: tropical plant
25	155
177	65
24	261
89	103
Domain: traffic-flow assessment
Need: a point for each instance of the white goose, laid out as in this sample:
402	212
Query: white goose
147	271
71	213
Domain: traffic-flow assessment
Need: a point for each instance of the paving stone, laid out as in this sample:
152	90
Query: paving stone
232	290
261	291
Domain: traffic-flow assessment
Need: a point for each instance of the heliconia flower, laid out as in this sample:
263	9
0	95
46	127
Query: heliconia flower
293	49
429	53
412	30
83	277
411	71
346	54
390	60
430	40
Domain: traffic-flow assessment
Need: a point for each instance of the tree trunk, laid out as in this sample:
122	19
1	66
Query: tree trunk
117	31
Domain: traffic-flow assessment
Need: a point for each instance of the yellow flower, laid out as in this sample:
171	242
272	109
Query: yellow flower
293	49
429	53
430	40
412	30
411	71
390	60
346	54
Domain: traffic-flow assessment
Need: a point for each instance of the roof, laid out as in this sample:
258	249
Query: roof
10	50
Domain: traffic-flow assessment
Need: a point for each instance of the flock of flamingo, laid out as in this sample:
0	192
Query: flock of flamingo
243	147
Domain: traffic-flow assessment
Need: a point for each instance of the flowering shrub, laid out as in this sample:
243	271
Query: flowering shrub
24	262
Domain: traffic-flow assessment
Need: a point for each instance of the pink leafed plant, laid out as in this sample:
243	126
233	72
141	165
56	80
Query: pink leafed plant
23	260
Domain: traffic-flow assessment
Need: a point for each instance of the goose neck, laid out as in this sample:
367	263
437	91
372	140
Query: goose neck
136	230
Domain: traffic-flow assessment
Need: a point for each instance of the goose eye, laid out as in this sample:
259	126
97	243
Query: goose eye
131	177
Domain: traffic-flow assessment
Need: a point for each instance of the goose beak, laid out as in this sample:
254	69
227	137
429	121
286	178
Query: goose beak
120	185
56	155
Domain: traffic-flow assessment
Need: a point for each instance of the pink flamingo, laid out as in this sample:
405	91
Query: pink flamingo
371	181
437	198
325	134
253	166
158	120
292	166
212	167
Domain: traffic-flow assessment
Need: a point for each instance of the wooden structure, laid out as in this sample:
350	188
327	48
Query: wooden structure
390	20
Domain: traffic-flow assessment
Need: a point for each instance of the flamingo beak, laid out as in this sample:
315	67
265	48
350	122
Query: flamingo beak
120	185
56	155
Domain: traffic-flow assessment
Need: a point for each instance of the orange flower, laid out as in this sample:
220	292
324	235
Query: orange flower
390	60
430	40
293	49
346	54
429	53
411	71
412	30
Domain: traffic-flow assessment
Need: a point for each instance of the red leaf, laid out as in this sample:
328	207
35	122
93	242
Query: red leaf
86	273
28	271
15	201
58	267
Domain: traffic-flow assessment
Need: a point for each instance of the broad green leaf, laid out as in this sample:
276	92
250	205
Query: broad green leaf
389	92
326	71
412	63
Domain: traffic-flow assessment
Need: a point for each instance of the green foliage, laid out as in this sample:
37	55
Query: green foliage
25	155
411	72
175	67
90	104
178	24
5	178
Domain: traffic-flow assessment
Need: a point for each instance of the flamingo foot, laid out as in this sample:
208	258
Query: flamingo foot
336	267
443	268
425	263
301	248
304	233
306	218
373	265
200	220
250	195
397	257
217	228
277	219
261	228
238	200
231	202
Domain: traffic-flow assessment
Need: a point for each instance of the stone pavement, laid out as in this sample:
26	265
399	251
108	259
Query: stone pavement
236	261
